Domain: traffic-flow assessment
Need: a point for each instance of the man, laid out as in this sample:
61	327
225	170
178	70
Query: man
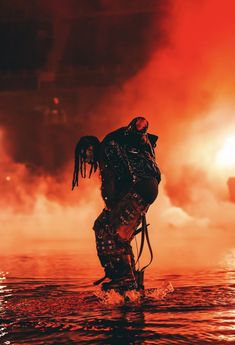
130	178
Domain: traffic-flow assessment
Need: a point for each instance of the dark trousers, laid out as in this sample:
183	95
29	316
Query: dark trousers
114	231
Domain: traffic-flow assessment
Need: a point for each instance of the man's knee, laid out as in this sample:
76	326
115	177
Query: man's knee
101	221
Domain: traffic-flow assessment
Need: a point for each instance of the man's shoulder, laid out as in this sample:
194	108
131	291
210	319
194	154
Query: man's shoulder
115	136
118	136
153	139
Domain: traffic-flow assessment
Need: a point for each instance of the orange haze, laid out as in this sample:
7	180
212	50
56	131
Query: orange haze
186	91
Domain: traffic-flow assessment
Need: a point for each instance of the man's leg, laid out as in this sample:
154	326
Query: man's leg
114	230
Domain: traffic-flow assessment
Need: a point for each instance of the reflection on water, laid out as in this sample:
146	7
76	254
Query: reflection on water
50	300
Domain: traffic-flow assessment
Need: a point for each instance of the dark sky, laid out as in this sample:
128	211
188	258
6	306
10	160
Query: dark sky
64	34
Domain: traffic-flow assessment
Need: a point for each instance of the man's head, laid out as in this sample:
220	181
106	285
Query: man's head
138	124
137	130
141	124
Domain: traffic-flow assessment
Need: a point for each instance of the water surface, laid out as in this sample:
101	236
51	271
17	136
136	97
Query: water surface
49	299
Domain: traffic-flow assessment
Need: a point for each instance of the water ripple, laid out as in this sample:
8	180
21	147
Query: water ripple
54	311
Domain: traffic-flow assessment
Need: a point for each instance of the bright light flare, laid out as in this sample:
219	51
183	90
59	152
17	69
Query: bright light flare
226	155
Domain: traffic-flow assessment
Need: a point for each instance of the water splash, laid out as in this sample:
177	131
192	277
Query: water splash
114	298
161	292
109	298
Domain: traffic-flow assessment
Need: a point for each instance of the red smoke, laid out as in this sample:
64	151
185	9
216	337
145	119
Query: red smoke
186	92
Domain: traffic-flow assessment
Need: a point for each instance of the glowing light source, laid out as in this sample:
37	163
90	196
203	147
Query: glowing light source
226	156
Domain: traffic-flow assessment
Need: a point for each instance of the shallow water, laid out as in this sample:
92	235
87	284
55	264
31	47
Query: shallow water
50	299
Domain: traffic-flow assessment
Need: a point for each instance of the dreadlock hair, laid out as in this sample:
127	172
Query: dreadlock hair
80	159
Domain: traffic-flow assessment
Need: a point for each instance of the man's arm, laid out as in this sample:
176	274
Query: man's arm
113	168
108	188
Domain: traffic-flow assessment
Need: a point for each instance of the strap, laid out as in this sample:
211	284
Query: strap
142	241
97	282
149	245
139	230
